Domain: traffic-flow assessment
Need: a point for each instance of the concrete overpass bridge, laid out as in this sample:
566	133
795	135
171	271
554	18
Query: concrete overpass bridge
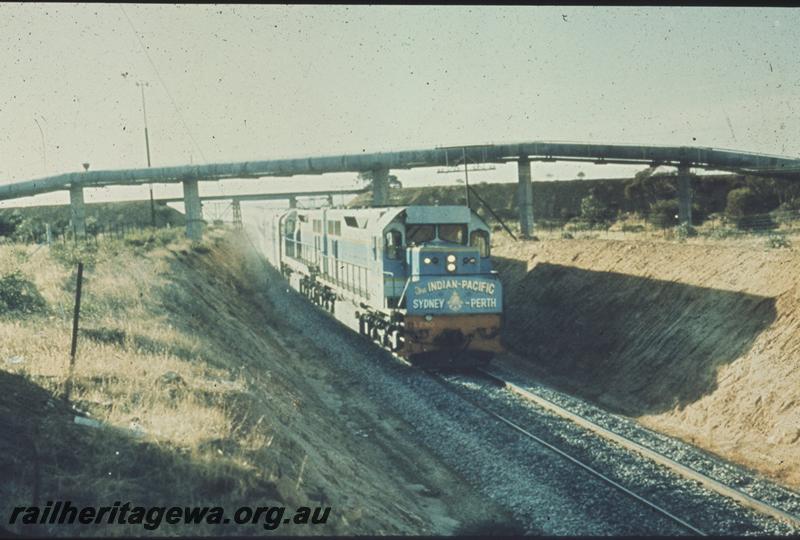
682	157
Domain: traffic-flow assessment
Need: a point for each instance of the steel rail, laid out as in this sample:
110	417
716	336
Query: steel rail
659	458
572	459
437	378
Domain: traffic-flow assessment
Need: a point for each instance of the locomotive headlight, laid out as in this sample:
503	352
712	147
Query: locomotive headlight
427	260
451	259
472	260
451	267
429	318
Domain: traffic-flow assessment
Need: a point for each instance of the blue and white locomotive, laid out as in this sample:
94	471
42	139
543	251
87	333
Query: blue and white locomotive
416	279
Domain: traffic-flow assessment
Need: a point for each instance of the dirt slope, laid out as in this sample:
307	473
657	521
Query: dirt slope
699	341
205	399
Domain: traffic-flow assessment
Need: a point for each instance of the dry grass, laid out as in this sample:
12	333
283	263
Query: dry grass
165	395
204	396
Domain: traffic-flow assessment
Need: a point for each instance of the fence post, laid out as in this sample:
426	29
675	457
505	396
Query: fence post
75	317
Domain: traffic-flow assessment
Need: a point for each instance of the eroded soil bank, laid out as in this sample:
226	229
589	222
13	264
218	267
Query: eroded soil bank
198	394
698	341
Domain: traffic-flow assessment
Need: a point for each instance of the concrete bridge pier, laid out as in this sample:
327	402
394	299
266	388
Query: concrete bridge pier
525	197
684	195
194	210
292	201
77	210
330	199
380	187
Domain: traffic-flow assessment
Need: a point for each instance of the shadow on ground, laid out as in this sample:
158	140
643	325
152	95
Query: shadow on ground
636	345
45	456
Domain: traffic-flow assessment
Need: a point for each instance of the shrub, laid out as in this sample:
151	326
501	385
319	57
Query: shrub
70	253
594	211
721	233
684	231
664	214
631	228
744	206
19	295
9	224
777	241
576	225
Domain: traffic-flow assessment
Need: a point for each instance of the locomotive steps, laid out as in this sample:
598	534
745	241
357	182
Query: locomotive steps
698	341
191	390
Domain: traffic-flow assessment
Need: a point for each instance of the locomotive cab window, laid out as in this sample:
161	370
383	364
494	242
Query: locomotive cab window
480	240
456	234
419	234
394	245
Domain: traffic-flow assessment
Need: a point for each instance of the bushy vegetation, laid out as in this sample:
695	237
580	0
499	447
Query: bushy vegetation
594	211
664	214
19	295
29	224
777	241
9	224
747	208
71	253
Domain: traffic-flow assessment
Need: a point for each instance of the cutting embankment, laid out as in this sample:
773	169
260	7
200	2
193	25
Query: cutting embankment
697	341
190	390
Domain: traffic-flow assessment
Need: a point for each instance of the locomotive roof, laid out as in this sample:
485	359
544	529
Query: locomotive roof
380	217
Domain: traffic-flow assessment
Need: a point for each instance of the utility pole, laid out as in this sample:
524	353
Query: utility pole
466	174
141	85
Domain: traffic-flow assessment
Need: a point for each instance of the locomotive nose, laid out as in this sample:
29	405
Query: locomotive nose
439	260
451	339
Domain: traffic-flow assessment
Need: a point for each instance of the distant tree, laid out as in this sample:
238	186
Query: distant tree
9	223
647	188
366	178
744	205
594	211
581	175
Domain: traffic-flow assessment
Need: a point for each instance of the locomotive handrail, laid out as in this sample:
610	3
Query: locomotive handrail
354	286
403	294
389	273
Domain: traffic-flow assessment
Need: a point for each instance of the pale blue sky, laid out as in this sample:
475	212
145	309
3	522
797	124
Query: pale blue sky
263	81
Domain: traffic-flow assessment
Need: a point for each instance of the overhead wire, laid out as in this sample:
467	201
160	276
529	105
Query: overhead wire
163	84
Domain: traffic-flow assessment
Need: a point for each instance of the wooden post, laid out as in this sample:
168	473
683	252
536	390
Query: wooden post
75	317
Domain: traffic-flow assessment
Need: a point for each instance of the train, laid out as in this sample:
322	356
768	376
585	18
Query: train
418	280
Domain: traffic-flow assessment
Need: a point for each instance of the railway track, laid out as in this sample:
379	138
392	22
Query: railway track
630	447
687	472
628	444
591	470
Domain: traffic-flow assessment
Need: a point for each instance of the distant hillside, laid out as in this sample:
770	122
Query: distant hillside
561	199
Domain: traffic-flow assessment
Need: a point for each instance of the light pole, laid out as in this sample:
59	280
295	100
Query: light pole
466	174
141	85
